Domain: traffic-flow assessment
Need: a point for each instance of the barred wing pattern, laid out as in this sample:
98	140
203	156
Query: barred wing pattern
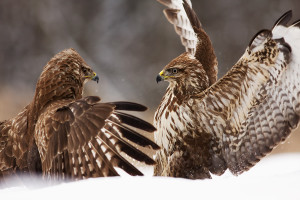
65	136
206	128
256	105
13	144
177	16
84	139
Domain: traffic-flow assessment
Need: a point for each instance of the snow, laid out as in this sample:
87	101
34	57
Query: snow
275	177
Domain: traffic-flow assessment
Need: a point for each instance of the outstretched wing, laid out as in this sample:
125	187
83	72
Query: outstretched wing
204	50
257	103
188	26
177	16
85	138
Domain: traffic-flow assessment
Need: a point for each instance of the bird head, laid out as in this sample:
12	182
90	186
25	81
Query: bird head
175	70
81	67
184	71
89	74
66	73
68	63
178	69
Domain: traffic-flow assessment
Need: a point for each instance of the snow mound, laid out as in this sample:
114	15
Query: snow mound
275	177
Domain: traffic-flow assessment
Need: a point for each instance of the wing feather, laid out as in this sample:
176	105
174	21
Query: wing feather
204	50
128	106
176	15
14	144
135	122
135	137
284	19
127	147
262	104
77	139
104	163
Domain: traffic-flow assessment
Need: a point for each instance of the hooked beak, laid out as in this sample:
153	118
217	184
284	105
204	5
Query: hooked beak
160	77
93	77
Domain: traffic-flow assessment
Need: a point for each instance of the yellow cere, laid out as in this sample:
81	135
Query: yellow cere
161	73
94	74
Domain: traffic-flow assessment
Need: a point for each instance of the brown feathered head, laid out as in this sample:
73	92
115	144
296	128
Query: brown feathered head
71	63
63	77
185	72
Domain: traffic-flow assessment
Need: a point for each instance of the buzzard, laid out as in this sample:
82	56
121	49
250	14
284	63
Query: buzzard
63	135
205	126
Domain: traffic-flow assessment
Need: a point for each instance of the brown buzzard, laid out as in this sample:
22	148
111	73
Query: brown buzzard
63	135
204	126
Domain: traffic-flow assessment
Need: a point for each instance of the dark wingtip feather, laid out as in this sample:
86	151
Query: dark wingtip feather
135	122
296	23
137	137
261	35
129	106
284	19
137	154
130	169
92	99
125	147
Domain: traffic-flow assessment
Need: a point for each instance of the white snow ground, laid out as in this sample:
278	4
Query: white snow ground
275	177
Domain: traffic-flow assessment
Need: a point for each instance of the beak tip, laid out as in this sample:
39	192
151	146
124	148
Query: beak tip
96	78
158	78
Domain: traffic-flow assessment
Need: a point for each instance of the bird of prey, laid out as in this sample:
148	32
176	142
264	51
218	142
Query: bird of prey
63	135
204	125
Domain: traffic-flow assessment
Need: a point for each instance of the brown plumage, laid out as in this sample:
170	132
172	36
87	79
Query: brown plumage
65	136
205	127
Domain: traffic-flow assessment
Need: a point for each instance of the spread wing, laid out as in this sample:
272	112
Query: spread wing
177	16
188	26
257	103
85	138
14	144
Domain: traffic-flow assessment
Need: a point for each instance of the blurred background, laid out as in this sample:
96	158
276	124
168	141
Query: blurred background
127	42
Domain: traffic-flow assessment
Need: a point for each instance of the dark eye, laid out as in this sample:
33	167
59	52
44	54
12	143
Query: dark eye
83	69
174	70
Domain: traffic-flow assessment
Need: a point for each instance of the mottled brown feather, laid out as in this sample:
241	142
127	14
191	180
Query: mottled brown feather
65	136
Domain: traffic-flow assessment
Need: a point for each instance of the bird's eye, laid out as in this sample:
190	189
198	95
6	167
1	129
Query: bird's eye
174	70
83	69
